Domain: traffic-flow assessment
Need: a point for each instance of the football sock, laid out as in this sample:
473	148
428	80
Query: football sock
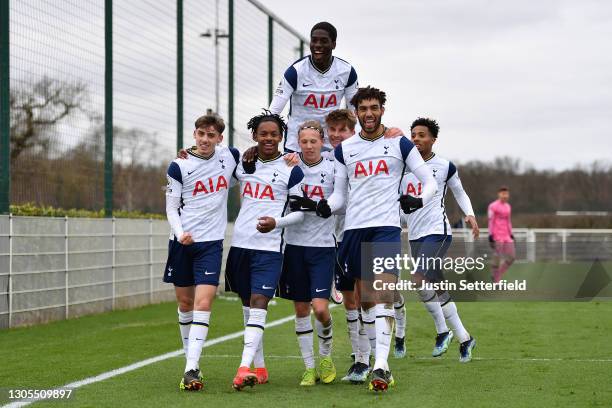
432	304
385	315
450	314
352	322
369	317
325	334
253	333
184	319
400	318
363	355
258	360
303	330
197	337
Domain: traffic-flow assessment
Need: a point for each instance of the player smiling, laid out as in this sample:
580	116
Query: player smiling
315	84
430	236
196	207
254	260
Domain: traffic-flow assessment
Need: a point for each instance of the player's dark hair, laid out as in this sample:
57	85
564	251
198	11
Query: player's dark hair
324	25
503	188
369	93
267	116
430	124
345	116
211	120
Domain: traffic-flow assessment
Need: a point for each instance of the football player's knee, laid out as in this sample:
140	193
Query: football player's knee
426	295
259	301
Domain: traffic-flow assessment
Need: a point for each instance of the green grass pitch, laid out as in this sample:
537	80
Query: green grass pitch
529	354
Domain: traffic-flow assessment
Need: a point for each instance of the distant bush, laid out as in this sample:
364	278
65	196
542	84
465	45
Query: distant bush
32	210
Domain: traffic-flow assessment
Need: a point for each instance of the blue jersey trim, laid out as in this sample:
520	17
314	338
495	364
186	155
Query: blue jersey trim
174	171
338	154
235	153
296	177
352	77
291	76
405	147
451	170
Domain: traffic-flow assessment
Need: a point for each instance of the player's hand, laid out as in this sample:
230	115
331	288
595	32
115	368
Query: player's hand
410	204
266	224
186	238
512	236
323	209
291	159
471	221
302	203
249	160
491	241
391	133
182	154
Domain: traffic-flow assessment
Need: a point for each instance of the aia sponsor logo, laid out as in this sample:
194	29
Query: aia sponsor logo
210	185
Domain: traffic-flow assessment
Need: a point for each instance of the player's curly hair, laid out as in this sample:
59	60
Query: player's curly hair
267	116
368	93
324	25
430	124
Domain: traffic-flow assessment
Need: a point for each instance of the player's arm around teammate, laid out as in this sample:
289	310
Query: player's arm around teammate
196	207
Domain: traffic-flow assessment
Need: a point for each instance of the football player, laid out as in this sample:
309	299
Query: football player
196	207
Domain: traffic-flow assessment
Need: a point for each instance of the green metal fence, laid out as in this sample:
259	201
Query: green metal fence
96	96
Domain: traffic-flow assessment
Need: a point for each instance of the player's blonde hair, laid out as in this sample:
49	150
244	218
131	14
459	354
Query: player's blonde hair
311	124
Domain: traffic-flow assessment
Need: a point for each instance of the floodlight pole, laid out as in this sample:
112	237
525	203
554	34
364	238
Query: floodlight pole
216	33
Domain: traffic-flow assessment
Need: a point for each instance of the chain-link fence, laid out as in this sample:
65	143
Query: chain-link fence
97	95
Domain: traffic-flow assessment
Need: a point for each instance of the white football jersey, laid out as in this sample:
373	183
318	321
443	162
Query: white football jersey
202	183
264	193
432	219
313	94
318	183
374	170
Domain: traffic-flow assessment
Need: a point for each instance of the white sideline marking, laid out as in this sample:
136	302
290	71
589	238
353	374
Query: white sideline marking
148	361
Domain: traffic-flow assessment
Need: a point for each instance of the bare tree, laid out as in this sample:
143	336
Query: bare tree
36	110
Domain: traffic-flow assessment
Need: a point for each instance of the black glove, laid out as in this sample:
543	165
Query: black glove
410	204
512	236
303	203
323	209
249	167
491	241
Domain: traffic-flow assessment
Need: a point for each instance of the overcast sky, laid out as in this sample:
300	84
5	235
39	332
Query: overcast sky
528	79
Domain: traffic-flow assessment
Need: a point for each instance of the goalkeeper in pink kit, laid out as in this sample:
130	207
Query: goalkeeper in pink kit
500	234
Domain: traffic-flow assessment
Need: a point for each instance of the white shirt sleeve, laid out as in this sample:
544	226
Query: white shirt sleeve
337	200
295	217
174	219
281	96
417	166
460	195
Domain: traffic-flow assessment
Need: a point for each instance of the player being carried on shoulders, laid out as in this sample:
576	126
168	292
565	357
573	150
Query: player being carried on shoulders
372	167
196	207
255	258
315	84
430	236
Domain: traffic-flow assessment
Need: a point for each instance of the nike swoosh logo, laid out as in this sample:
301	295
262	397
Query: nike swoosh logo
353	155
199	339
320	290
386	334
189	172
267	287
209	273
305	85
